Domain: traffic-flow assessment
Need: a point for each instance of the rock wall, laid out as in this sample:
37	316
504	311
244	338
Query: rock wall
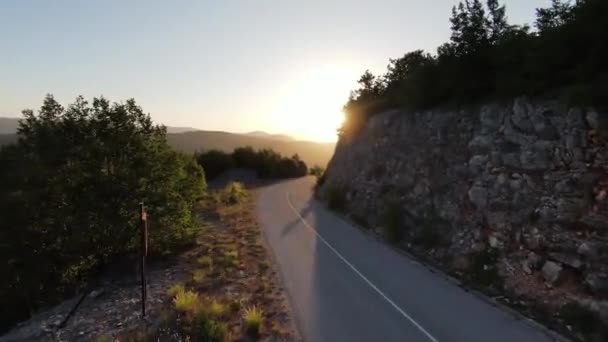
527	179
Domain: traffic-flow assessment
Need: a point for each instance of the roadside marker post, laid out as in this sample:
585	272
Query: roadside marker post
143	219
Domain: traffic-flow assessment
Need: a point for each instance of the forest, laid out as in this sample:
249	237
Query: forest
487	59
265	162
70	189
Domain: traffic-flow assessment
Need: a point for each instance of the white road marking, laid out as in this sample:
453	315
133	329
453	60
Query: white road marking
354	269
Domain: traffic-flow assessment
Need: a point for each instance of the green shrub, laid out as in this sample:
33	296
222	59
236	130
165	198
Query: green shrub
317	171
198	276
205	261
234	193
203	328
393	221
230	258
175	289
216	309
585	321
186	301
253	318
269	164
483	271
215	163
336	198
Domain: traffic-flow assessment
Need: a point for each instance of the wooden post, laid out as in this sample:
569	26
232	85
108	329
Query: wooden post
143	217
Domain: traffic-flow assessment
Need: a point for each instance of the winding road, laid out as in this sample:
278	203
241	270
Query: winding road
344	285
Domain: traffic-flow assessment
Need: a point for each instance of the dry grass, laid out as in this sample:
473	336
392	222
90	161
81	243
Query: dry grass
253	318
205	261
217	309
175	289
186	301
198	276
230	271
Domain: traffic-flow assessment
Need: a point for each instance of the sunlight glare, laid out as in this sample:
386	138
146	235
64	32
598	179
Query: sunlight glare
311	106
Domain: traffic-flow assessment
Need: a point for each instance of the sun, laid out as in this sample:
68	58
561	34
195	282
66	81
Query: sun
310	107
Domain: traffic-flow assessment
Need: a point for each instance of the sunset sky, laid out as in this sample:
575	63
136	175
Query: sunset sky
278	66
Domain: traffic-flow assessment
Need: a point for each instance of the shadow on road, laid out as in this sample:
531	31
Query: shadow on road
338	310
296	223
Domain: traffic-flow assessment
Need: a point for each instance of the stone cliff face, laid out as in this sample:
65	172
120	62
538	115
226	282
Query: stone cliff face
526	179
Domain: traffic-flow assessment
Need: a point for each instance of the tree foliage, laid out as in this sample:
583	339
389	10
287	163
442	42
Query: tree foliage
215	162
266	162
487	59
69	194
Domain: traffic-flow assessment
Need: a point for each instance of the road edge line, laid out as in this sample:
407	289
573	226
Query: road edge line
357	272
515	314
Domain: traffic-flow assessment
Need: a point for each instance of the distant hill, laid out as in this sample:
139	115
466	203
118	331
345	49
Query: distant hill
181	129
7	138
260	134
190	140
311	152
8	125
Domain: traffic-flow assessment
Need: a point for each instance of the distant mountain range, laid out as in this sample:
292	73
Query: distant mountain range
8	125
260	134
311	152
190	140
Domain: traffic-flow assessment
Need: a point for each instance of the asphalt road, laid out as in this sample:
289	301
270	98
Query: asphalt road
344	285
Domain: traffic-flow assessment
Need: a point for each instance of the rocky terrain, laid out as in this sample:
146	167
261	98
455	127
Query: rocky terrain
519	187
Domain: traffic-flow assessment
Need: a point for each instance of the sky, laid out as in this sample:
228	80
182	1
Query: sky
278	66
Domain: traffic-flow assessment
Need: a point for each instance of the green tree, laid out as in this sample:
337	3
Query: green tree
72	184
245	157
497	21
488	59
555	16
215	162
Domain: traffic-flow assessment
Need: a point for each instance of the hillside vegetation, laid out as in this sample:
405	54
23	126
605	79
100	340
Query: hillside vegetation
487	59
190	140
266	163
310	152
69	195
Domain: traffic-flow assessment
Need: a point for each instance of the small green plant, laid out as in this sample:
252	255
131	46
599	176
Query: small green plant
175	289
216	309
198	276
336	198
103	338
230	258
483	270
166	318
585	321
253	318
205	261
235	305
317	171
186	301
234	193
205	329
393	221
